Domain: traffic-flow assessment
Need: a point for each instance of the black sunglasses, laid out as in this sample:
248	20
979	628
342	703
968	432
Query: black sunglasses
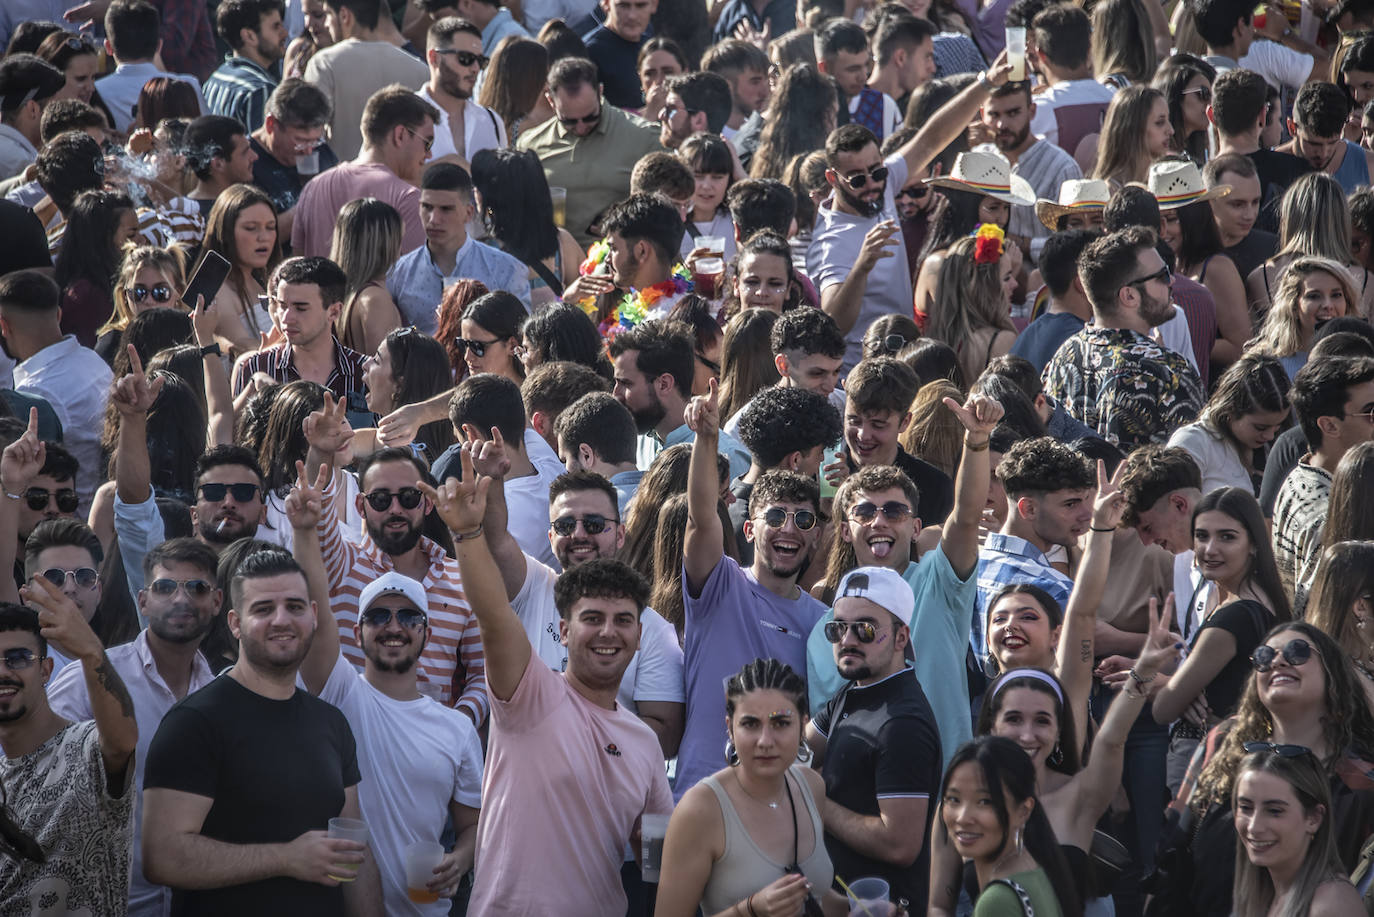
408	618
915	192
37	498
197	588
380	500
864	631
85	577
466	58
592	524
1283	751
878	175
668	111
160	292
1163	275
19	658
478	348
213	493
1295	653
892	510
1203	92
710	364
585	119
776	518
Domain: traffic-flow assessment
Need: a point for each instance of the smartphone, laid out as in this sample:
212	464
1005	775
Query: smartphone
206	281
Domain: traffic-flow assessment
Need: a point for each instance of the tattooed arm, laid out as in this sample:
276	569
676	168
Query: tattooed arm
112	707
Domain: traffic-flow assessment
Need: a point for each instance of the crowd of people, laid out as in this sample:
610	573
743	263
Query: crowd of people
749	458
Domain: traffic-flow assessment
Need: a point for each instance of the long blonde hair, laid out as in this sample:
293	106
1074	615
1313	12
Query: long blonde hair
171	261
366	242
1121	153
1314	219
1281	334
1123	41
968	296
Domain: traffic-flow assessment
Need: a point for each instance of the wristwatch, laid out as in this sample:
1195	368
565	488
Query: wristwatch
211	350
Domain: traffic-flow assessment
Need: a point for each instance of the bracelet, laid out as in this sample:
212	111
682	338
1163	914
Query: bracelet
977	447
985	81
749	903
1135	677
1096	529
465	536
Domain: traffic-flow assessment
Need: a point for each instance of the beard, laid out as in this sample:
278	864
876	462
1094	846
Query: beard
233	530
650	416
260	655
452	84
861	207
1155	311
394	543
196	629
1009	141
397	667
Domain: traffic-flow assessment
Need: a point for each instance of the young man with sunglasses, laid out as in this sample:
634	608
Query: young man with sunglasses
876	511
394	513
589	147
159	668
876	742
404	738
456	59
419	278
734	615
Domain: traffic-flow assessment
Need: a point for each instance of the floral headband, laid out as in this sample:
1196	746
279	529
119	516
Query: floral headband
987	247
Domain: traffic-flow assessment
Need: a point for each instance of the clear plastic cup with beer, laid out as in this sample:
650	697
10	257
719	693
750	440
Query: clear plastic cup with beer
421	859
349	829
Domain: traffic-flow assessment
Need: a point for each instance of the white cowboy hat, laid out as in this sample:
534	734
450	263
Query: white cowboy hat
988	174
1075	196
1177	183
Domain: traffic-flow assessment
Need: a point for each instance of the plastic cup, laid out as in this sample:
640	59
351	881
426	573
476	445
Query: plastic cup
560	206
1016	52
308	163
874	896
349	829
708	273
421	858
652	829
713	244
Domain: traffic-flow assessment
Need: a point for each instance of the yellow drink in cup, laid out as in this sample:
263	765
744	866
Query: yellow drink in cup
349	829
421	859
560	206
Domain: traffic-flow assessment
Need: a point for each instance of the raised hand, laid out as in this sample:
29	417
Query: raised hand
23	458
489	457
880	242
305	501
400	427
204	319
1162	646
1110	504
702	414
133	394
979	414
759	39
60	621
461	504
327	430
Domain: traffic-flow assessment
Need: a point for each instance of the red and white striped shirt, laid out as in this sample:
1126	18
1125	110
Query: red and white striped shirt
452	659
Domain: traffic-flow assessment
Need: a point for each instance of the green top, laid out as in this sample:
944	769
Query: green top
997	900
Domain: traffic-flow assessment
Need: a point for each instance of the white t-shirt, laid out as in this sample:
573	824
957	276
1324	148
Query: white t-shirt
414	756
1281	66
655	670
1174	335
1220	464
527	514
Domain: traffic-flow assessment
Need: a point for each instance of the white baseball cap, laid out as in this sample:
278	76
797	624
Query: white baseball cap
881	586
393	583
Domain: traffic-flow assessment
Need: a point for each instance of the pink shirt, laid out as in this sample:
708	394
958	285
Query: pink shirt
566	781
325	195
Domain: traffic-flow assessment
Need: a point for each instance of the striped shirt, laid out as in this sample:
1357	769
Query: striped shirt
452	657
178	221
278	363
1299	514
239	89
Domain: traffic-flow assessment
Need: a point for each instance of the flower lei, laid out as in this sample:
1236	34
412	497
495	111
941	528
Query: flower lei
987	247
636	304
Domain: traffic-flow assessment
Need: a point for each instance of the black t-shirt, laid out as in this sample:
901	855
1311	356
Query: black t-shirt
275	770
283	184
1283	458
934	488
1247	621
1276	172
617	60
26	245
739	512
882	742
1252	251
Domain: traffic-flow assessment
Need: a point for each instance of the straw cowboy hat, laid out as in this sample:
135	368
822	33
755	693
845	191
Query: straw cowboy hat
987	174
1075	196
1178	183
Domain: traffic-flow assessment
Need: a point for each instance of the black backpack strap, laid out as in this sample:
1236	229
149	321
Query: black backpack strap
548	276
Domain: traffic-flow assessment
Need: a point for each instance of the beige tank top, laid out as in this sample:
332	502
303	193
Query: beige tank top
743	869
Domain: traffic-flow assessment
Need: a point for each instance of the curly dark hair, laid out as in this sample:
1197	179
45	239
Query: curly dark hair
1044	465
600	578
780	421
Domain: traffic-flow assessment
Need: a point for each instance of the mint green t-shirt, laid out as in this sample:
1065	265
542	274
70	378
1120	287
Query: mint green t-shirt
999	900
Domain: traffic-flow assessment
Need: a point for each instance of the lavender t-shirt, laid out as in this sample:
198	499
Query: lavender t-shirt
733	622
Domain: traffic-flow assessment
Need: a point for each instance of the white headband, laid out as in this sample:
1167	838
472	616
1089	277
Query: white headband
1035	674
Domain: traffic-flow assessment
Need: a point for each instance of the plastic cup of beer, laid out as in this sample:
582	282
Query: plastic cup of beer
421	858
872	897
708	274
1016	52
652	829
713	244
348	829
560	206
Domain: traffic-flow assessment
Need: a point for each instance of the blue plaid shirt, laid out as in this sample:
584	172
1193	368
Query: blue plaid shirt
1006	559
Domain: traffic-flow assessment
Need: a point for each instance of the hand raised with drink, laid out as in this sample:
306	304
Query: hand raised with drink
314	855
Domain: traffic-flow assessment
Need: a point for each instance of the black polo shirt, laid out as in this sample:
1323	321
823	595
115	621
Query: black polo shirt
882	742
934	488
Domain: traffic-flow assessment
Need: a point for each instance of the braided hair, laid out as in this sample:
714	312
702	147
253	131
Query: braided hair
766	675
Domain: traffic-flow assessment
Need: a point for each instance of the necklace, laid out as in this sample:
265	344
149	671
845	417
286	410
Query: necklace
771	805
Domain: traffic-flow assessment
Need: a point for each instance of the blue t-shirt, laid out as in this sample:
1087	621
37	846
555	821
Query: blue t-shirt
1043	336
939	635
733	622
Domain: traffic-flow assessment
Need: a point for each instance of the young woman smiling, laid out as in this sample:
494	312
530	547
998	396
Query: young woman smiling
1311	291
